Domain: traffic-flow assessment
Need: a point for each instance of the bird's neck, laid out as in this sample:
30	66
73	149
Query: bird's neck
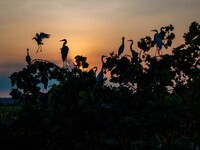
64	43
131	46
102	66
122	42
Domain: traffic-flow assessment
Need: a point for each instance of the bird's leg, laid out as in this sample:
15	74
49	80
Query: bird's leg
37	49
156	51
40	48
159	54
140	53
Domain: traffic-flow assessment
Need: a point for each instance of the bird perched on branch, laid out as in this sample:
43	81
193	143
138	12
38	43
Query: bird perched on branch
100	76
28	57
38	38
64	50
121	48
93	72
133	52
158	41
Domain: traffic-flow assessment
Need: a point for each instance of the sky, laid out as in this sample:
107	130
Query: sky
92	28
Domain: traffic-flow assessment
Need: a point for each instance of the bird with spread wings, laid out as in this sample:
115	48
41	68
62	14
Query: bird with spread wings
38	38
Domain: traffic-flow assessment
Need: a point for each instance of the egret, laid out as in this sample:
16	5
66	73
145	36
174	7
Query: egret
93	72
121	48
133	52
100	76
158	41
28	57
38	38
64	50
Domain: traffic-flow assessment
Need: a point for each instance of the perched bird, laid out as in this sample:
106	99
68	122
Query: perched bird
64	50
38	38
158	42
93	72
28	57
133	52
121	48
100	76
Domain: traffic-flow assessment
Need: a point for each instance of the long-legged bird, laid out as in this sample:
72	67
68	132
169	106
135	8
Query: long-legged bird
158	42
28	57
38	38
133	52
121	48
64	50
100	76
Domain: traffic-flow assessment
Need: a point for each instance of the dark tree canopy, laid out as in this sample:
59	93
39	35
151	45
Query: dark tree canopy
151	102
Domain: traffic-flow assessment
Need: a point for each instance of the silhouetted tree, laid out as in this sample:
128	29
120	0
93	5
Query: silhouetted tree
154	105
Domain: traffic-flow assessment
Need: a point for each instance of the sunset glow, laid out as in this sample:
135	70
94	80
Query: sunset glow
92	28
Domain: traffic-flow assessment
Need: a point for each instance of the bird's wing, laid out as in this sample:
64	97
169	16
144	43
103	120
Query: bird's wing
44	35
37	35
120	50
158	42
65	48
100	76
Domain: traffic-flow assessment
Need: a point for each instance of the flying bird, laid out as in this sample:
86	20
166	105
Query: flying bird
100	76
38	38
121	48
64	50
133	52
28	57
158	42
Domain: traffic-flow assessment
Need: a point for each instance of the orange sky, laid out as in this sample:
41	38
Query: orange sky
92	28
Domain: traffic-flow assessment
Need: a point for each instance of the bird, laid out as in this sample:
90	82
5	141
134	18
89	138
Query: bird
93	72
158	42
28	57
38	38
64	50
100	76
121	48
133	52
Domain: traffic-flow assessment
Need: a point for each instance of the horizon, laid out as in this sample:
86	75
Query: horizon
92	28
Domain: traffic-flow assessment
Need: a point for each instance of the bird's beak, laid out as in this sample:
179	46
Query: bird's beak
154	30
128	40
62	40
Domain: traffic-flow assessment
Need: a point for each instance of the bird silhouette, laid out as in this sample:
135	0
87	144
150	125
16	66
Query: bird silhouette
100	76
38	38
121	48
133	52
64	50
158	41
93	72
28	57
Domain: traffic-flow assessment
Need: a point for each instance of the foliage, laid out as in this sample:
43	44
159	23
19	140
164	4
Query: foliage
154	105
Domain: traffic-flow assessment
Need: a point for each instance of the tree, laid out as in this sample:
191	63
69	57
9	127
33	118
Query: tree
154	105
